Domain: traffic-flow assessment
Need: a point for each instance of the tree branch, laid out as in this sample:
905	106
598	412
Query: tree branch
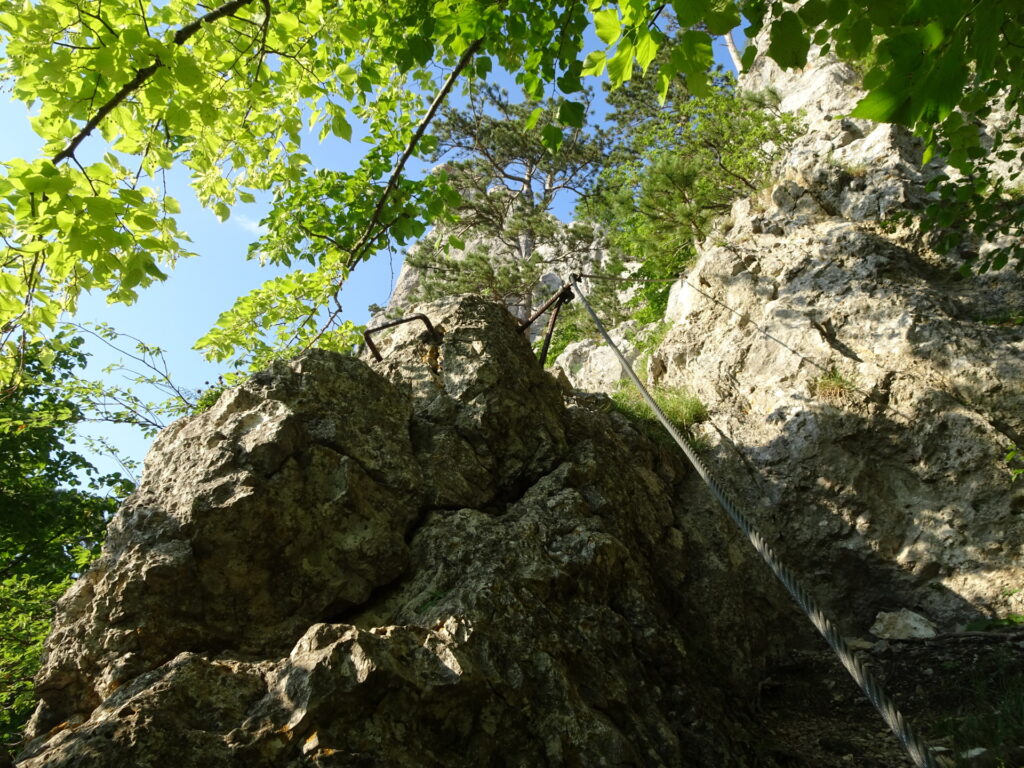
721	164
733	53
142	75
368	235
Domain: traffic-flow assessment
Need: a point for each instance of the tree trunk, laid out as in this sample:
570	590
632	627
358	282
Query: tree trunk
733	53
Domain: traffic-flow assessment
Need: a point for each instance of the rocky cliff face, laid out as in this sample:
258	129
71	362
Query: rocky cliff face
428	560
862	394
441	558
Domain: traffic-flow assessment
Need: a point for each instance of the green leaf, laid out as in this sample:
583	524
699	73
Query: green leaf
633	12
9	22
423	51
932	36
693	57
879	105
689	13
837	11
569	83
886	12
65	220
595	63
646	50
288	21
749	54
974	100
340	126
789	45
875	78
551	138
607	25
941	88
531	121
721	22
571	113
187	71
144	223
813	12
620	66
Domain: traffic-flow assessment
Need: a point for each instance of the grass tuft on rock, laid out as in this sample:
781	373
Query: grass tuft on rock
833	387
682	407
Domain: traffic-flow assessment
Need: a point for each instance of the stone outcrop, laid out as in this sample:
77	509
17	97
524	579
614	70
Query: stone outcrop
862	393
427	560
592	366
437	558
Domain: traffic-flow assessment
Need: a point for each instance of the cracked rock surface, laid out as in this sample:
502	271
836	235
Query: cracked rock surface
863	395
428	560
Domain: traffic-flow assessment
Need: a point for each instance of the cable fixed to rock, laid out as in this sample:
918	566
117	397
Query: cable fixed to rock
916	749
747	318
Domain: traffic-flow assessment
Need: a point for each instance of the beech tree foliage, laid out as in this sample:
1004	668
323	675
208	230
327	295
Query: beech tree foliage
125	90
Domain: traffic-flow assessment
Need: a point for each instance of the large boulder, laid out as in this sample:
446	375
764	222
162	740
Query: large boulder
426	560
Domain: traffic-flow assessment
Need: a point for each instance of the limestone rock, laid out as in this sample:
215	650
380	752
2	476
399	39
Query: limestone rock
427	560
592	366
902	625
283	504
862	394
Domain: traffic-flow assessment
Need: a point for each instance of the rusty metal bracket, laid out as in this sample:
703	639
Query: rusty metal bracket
564	295
373	347
544	308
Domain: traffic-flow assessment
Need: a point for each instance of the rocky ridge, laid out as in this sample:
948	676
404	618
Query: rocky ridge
443	558
422	561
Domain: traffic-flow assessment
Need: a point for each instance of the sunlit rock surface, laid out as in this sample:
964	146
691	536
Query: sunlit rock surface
428	560
862	394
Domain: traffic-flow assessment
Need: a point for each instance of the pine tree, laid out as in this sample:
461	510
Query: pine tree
503	235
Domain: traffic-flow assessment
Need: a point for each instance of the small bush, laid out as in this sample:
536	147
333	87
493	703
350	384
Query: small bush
1005	319
1015	462
992	717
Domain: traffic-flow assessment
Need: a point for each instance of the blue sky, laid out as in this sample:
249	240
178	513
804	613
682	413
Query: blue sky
175	313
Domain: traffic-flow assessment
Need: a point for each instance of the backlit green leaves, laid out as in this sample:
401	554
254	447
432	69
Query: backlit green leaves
607	26
75	229
229	93
124	90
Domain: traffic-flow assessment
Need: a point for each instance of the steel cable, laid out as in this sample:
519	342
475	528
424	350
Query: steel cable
916	749
760	329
